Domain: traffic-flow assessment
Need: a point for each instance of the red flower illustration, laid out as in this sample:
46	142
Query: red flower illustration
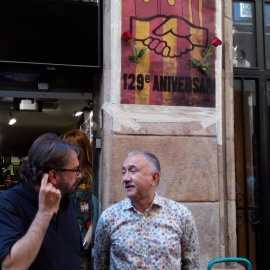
216	42
205	65
127	35
137	52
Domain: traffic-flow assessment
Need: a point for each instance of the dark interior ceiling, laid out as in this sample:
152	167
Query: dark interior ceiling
56	106
68	81
56	116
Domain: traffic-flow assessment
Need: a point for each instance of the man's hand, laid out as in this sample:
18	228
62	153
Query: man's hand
49	196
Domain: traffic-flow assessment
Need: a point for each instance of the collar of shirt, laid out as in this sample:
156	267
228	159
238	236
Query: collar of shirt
158	201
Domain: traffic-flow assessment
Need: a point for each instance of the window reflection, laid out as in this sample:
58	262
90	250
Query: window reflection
267	34
244	47
240	59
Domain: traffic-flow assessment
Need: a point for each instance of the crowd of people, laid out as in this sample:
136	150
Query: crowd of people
46	220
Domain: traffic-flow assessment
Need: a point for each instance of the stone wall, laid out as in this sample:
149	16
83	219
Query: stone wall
196	155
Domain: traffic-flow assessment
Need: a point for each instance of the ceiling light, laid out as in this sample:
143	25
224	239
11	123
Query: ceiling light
78	113
81	111
29	105
12	120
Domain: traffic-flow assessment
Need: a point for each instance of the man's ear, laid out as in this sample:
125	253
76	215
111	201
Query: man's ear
155	178
53	178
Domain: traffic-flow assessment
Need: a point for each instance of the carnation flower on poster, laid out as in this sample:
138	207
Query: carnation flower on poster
205	65
137	52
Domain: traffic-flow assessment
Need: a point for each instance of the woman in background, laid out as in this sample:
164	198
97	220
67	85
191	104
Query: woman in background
83	194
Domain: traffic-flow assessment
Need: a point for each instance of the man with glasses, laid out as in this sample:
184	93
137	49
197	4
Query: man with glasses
38	223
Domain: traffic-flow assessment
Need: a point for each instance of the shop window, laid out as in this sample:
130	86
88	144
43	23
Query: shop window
244	47
267	34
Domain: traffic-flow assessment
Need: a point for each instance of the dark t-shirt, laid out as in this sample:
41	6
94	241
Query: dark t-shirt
61	246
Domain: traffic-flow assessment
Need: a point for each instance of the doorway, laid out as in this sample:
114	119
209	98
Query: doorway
248	175
35	114
252	137
251	22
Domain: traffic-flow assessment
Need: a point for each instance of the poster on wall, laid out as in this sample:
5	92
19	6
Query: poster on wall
159	40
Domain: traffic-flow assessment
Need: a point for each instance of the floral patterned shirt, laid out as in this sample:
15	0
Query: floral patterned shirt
164	237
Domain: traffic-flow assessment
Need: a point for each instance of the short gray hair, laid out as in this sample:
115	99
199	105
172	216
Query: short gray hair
151	158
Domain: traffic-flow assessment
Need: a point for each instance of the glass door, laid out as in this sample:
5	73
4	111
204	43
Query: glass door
248	181
251	39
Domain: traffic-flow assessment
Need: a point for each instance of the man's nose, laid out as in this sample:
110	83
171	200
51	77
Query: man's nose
126	176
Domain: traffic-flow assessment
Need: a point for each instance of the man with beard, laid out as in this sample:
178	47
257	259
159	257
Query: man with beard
145	230
38	223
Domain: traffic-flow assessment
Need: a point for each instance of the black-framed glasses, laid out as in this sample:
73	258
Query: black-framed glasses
77	170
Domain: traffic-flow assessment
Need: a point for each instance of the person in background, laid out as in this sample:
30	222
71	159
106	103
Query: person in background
38	223
9	181
145	230
240	59
83	194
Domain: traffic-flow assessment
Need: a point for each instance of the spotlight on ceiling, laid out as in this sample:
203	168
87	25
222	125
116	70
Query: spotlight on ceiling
81	111
12	120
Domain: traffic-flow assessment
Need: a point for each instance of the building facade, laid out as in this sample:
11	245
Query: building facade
206	149
195	144
207	123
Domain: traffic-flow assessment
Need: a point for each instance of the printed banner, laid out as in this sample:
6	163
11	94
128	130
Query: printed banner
173	31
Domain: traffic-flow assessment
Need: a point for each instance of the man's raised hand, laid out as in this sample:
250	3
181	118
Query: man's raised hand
49	196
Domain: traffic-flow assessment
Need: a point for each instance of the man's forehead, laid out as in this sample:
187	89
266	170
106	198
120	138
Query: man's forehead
135	161
73	160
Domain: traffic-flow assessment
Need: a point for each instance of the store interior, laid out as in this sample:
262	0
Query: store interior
50	67
36	113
